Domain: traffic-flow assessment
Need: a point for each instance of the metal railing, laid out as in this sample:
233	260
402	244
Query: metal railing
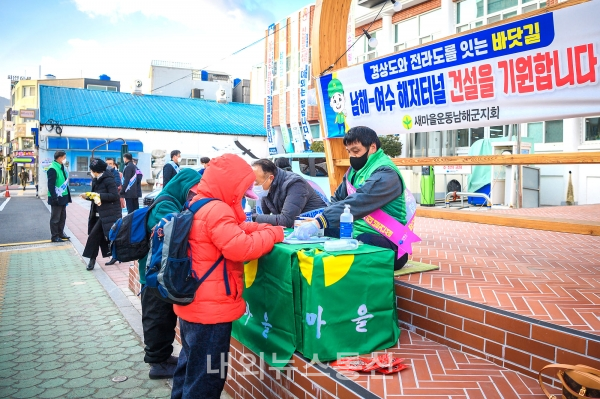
463	195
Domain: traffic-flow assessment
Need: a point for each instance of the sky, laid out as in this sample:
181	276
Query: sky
120	38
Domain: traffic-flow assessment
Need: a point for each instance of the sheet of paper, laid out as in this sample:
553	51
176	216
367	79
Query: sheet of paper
311	240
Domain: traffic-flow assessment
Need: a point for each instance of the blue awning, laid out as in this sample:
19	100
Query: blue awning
82	143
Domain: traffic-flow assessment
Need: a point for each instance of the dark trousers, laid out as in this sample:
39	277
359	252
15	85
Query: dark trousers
159	321
132	204
58	217
96	240
377	241
197	376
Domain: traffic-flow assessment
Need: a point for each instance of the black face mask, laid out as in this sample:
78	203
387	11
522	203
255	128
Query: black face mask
358	163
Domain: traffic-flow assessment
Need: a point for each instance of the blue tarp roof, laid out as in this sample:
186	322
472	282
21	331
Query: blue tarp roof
94	108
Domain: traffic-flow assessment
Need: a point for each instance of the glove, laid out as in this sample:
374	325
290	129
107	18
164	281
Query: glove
306	230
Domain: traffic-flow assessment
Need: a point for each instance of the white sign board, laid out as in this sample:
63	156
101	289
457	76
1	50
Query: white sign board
452	170
544	67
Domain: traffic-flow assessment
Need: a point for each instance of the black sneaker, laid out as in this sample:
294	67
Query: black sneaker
162	370
172	359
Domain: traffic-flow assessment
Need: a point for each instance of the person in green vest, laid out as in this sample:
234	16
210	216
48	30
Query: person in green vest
378	185
158	318
58	196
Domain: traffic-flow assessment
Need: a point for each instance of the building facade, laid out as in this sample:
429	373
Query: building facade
21	120
152	126
179	79
423	21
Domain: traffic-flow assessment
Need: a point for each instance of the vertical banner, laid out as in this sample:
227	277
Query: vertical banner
304	75
281	83
350	36
294	117
269	90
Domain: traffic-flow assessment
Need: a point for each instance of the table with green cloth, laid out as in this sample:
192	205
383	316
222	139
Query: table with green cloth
325	305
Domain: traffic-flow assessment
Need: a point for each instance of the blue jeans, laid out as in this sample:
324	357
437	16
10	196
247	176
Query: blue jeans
203	360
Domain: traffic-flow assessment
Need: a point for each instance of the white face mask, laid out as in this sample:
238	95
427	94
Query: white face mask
64	162
260	191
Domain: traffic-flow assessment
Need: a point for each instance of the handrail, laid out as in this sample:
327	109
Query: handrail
565	158
462	195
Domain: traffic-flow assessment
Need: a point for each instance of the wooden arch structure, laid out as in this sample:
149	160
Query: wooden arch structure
328	41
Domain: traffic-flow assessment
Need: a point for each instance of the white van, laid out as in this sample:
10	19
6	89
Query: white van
310	165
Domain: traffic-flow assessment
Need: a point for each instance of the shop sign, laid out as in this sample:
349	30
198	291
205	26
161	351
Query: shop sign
20	130
24	153
27	113
452	170
15	78
24	159
544	67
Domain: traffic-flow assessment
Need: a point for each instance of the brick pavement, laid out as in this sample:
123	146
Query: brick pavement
589	213
545	275
61	335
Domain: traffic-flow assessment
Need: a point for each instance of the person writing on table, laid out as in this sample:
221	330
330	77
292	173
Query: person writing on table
284	195
372	182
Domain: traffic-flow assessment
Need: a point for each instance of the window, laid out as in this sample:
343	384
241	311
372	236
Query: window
82	164
28	91
474	13
102	88
369	52
499	5
421	29
27	144
591	129
466	137
546	132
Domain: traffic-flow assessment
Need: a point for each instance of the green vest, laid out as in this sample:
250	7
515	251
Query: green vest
395	208
60	178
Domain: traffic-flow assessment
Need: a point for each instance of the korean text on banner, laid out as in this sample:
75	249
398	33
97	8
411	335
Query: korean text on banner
539	68
281	83
304	75
294	116
269	90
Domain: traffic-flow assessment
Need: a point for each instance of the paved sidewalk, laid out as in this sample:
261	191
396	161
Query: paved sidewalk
61	335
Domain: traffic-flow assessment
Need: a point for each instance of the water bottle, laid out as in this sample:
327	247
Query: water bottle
346	223
248	212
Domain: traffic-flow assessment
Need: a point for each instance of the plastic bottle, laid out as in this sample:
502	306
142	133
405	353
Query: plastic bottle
346	223
248	212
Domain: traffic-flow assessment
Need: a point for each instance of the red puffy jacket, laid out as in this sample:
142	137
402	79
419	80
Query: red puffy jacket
219	227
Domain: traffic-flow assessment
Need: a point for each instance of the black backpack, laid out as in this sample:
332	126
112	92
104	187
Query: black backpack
129	237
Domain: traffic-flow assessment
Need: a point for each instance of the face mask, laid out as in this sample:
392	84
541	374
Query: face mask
358	163
64	162
260	191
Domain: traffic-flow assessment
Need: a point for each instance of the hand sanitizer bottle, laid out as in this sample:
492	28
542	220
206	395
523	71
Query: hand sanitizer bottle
346	222
248	212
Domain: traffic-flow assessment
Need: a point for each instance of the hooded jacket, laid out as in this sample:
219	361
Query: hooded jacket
177	192
219	227
289	196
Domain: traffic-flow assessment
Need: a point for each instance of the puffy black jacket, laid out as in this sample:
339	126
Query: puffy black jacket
109	210
289	196
128	173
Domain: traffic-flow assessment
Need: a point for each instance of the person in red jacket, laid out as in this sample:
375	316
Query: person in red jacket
219	228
